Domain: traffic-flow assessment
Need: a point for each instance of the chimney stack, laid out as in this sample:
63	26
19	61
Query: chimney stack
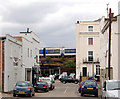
27	30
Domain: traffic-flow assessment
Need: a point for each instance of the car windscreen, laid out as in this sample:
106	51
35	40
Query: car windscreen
22	84
90	83
113	85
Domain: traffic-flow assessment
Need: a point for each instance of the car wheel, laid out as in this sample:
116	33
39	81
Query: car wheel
46	90
64	82
96	95
30	95
36	90
14	95
82	94
79	91
76	82
33	94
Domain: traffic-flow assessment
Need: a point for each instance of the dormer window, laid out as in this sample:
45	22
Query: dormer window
90	28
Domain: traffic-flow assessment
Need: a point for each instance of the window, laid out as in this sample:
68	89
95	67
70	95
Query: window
56	51
70	50
90	41
28	52
97	69
90	28
90	55
31	53
84	71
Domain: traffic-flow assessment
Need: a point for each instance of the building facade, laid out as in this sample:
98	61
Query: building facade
119	38
11	62
19	59
87	50
52	59
115	46
30	54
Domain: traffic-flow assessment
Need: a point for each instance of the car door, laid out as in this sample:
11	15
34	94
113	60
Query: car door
71	79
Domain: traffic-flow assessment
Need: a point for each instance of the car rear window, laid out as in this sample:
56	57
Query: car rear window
41	82
46	79
22	84
89	83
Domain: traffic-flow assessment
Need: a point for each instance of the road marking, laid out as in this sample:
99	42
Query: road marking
66	90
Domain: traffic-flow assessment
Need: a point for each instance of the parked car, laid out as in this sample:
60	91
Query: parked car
52	78
56	76
72	75
69	79
111	89
23	88
64	74
49	82
80	86
89	87
41	85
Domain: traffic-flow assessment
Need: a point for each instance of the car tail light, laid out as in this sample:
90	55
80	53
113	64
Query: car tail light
15	87
82	86
96	87
29	87
45	86
51	81
35	86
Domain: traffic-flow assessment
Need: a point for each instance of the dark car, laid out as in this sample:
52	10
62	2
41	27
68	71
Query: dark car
80	86
89	87
69	79
41	85
23	88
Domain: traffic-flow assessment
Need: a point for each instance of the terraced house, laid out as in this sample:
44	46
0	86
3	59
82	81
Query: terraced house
88	49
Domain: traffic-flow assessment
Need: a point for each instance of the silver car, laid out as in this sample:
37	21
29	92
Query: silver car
111	89
49	81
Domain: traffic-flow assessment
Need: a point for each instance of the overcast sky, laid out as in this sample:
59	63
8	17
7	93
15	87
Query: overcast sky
52	20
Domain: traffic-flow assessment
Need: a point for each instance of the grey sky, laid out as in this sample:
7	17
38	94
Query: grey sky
52	20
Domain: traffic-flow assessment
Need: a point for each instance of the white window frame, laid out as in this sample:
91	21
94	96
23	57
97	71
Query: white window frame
89	28
87	55
98	69
88	40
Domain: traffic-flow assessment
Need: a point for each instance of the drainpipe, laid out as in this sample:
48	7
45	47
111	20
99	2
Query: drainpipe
1	65
1	62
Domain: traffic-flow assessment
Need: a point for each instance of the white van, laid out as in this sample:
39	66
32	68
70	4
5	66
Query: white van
63	75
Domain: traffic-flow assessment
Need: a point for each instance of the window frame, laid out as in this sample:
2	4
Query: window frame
92	40
90	56
90	29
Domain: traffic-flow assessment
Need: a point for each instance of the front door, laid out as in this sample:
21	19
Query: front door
84	71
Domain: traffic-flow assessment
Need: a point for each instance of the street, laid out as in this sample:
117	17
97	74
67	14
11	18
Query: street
61	90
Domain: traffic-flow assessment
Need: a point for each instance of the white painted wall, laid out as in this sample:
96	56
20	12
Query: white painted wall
114	47
82	47
31	41
12	49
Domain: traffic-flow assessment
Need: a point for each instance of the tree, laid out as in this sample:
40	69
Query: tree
48	59
69	64
62	59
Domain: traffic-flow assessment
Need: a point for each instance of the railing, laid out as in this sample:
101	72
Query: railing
95	60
